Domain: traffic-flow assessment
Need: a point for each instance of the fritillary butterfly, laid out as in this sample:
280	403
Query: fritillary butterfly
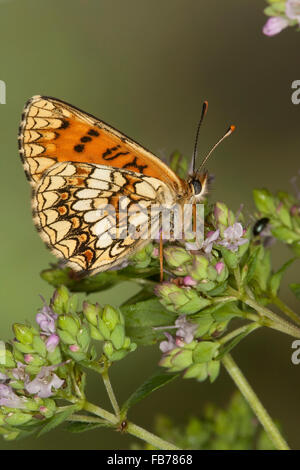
75	163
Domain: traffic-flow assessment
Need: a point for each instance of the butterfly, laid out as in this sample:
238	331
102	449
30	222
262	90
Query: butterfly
77	163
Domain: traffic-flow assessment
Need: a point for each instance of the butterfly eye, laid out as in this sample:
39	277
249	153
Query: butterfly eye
197	187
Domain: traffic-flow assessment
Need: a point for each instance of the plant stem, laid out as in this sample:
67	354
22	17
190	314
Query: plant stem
287	310
131	428
281	324
110	392
86	419
147	436
238	331
96	410
251	397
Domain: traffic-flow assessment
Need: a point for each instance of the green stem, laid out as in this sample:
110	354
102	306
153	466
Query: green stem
238	331
147	436
96	410
287	310
253	400
131	428
277	322
110	392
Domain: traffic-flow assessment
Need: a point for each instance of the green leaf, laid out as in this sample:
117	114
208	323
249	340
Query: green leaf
264	201
58	418
77	427
155	382
141	317
102	281
275	279
295	288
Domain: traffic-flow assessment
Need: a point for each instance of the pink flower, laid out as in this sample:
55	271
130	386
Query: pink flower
166	346
52	342
210	239
44	382
9	398
219	267
292	9
275	25
232	237
74	348
188	281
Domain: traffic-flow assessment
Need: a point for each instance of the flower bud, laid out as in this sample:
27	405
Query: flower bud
91	312
110	317
264	201
23	333
176	256
69	324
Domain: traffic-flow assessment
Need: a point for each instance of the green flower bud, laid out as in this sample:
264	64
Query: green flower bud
23	348
143	258
65	336
60	300
95	333
108	349
176	256
9	359
199	267
182	359
23	333
39	346
118	336
205	351
181	300
285	234
196	371
213	370
264	201
18	418
103	328
83	338
91	312
69	324
110	317
221	214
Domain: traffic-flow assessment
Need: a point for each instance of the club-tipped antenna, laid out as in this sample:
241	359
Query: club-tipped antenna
204	111
229	131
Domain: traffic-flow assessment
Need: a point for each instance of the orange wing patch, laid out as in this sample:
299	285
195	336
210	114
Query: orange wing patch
52	131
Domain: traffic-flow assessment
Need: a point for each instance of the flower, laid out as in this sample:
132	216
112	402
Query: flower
44	382
275	25
292	9
219	267
3	378
188	281
9	398
52	342
232	237
19	372
169	345
184	334
210	240
45	318
186	329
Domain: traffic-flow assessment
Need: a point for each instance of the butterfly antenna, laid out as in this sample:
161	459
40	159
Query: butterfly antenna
204	111
227	134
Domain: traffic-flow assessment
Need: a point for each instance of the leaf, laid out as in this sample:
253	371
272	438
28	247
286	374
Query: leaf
142	317
58	418
275	280
102	281
155	382
295	288
249	268
77	427
179	164
204	351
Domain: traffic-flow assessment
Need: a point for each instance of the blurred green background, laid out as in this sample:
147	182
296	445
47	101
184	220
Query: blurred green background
145	67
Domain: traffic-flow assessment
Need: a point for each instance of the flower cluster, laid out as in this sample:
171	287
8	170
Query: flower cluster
283	13
44	365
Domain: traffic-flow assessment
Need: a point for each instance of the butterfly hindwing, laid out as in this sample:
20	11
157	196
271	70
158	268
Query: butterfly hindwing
70	211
